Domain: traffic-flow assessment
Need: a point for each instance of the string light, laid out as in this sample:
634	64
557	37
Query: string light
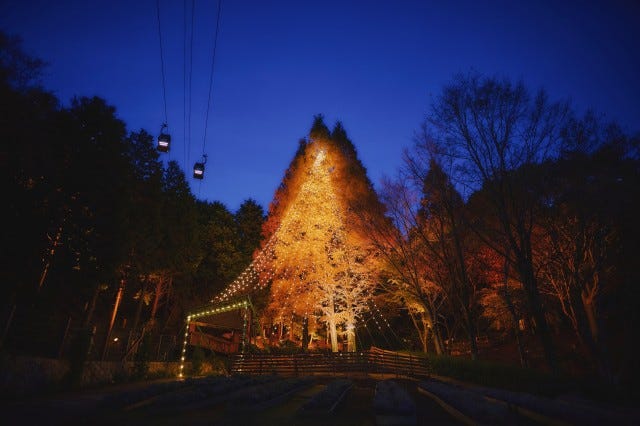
292	289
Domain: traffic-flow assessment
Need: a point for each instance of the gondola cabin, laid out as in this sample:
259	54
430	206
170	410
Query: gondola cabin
164	141
198	170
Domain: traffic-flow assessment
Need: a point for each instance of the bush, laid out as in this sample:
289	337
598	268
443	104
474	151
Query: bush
287	347
493	374
142	358
197	359
78	354
220	364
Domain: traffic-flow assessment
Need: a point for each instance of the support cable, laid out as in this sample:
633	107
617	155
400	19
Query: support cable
213	62
184	83
164	86
193	9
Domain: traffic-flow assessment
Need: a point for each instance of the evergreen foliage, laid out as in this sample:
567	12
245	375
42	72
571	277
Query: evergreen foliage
93	210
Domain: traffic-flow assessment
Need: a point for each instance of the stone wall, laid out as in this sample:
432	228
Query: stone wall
22	376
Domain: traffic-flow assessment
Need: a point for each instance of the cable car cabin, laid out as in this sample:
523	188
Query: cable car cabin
198	170
164	140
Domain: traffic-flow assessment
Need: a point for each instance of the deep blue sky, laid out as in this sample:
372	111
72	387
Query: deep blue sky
375	65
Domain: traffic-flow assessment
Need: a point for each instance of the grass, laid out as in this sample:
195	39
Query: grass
495	374
515	378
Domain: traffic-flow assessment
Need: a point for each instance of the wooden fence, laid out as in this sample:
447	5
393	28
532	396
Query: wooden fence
373	361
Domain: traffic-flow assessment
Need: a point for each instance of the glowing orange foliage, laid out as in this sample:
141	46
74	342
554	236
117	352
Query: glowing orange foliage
321	267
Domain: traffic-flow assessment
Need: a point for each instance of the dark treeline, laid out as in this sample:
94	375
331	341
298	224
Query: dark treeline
516	220
99	235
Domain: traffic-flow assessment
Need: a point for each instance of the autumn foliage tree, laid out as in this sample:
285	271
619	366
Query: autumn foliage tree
407	278
428	251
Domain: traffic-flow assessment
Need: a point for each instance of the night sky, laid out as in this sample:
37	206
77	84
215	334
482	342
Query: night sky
375	65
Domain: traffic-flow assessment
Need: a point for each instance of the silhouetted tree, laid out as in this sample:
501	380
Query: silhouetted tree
490	128
249	219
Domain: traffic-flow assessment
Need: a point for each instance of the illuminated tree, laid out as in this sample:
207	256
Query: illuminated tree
408	274
322	272
450	243
502	299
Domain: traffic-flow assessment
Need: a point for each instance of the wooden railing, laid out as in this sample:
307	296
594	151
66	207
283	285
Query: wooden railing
373	361
216	344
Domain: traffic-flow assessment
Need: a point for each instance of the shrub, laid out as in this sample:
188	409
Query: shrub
78	354
142	358
197	359
493	374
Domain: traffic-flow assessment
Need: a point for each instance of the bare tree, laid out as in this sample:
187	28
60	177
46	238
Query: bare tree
409	279
446	237
490	130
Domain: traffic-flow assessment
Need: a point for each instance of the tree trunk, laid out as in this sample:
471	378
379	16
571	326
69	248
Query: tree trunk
589	333
156	297
305	334
426	331
506	296
471	335
291	330
437	340
465	285
351	338
590	313
114	313
535	305
437	337
333	333
52	252
136	321
516	329
7	326
422	331
92	307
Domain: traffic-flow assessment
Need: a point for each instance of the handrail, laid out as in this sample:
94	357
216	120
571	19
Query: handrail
373	361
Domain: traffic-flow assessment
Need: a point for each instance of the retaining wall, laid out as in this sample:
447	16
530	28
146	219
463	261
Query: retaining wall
22	376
